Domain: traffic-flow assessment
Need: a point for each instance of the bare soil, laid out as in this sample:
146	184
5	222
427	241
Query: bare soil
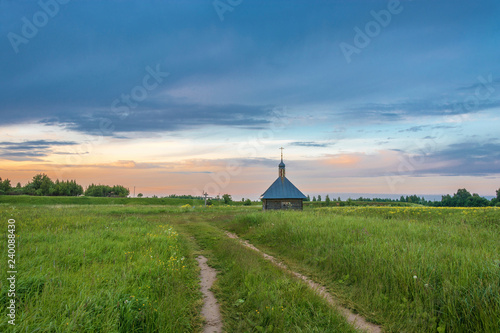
210	310
354	319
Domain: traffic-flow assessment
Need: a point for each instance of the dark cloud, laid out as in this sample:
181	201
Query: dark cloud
468	158
39	144
414	129
29	150
376	112
165	118
93	52
309	144
458	159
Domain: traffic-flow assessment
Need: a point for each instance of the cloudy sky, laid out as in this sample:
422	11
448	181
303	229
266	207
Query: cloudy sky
185	96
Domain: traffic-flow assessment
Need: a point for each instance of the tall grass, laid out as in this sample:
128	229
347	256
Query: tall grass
45	200
255	296
97	269
410	269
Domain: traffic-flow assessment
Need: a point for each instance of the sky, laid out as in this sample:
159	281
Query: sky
181	97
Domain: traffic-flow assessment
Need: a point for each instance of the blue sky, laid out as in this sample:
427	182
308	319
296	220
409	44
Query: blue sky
131	92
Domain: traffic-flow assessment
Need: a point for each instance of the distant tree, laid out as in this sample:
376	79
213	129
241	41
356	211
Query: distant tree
496	201
319	197
227	199
308	198
460	198
402	199
446	201
139	195
97	190
39	185
314	198
183	196
106	191
65	188
327	200
119	191
5	186
477	201
247	202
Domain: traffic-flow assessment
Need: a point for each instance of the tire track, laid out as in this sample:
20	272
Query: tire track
354	319
210	310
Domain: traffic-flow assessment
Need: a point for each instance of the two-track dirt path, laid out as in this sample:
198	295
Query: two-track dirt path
210	310
354	319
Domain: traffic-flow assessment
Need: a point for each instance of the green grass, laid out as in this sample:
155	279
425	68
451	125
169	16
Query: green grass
99	269
113	268
42	200
255	296
410	269
129	267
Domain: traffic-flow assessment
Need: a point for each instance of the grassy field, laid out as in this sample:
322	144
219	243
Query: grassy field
409	269
97	269
112	268
108	267
45	200
256	296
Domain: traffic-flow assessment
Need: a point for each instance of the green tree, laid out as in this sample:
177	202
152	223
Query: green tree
227	199
5	186
39	185
319	197
99	191
247	202
119	191
308	198
460	198
477	201
327	200
314	198
139	195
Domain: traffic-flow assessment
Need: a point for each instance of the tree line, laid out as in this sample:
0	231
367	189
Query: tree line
462	198
42	185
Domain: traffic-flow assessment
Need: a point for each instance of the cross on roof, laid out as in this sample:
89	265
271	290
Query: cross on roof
282	153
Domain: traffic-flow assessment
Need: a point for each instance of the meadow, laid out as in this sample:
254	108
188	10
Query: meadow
123	268
84	200
410	269
97	269
131	267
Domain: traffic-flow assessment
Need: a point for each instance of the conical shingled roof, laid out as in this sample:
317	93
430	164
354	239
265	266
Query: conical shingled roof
283	190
